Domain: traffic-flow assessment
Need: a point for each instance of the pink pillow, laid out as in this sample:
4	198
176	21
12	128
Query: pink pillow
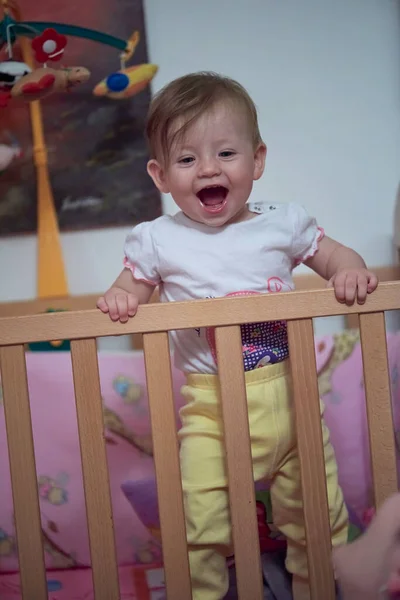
122	377
345	415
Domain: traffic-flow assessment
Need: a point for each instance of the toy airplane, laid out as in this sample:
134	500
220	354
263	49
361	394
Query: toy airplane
126	82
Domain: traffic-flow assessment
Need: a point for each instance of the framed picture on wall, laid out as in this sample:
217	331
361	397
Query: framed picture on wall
97	152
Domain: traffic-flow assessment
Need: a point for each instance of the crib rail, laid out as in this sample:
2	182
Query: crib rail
198	313
154	321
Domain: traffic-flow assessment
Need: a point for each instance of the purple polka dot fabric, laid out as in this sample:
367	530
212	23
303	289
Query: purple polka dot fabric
264	344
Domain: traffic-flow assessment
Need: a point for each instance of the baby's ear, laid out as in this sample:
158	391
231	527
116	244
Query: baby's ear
157	174
259	161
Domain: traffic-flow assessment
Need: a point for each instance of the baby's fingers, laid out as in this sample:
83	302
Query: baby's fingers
122	307
372	282
113	308
340	288
102	304
351	286
132	305
362	289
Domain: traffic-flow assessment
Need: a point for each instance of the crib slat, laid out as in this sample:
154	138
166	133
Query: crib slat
312	464
168	472
95	469
239	463
23	473
379	405
352	321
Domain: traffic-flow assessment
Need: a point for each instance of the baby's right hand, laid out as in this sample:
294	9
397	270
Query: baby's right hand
119	304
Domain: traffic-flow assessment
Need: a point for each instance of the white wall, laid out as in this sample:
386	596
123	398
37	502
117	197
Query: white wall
325	75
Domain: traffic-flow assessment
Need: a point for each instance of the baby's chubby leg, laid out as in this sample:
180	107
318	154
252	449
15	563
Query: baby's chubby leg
203	466
369	568
205	489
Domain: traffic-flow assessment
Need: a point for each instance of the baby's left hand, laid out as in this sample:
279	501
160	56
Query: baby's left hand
353	284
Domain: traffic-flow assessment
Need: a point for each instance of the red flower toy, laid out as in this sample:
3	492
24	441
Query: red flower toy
49	45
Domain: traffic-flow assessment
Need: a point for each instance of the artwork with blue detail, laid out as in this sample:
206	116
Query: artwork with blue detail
97	150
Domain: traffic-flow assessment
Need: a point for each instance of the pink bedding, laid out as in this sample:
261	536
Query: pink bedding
76	584
62	506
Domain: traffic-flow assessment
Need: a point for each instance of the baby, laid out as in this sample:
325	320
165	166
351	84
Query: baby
206	151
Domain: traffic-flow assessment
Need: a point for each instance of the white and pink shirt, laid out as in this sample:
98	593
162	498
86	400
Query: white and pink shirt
190	260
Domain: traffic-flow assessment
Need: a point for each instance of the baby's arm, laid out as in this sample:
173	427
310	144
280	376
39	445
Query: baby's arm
345	271
122	299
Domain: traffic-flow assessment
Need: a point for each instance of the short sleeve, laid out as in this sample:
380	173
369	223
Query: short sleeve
141	255
306	234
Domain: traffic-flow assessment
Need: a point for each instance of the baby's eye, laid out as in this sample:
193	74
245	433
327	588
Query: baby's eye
186	160
226	153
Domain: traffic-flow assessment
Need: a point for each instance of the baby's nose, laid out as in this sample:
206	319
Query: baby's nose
209	167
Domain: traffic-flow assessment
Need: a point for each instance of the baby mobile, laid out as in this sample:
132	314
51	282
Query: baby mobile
33	79
49	41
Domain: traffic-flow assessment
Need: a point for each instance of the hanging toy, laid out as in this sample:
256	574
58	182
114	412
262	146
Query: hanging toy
18	80
45	81
42	82
126	82
50	45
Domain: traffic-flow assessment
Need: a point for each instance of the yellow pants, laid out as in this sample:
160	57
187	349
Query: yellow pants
275	457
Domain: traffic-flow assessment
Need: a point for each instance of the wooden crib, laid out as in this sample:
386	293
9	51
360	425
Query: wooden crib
154	321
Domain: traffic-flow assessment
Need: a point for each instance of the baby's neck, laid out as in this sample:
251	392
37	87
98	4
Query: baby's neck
245	214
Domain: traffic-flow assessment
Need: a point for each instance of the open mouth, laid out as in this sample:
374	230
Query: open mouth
213	198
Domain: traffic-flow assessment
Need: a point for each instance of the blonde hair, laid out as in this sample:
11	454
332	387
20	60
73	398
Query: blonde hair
188	98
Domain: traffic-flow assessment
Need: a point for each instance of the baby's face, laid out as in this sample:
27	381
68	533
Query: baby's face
210	171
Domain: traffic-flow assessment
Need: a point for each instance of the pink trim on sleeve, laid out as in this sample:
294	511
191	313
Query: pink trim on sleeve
314	247
133	268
